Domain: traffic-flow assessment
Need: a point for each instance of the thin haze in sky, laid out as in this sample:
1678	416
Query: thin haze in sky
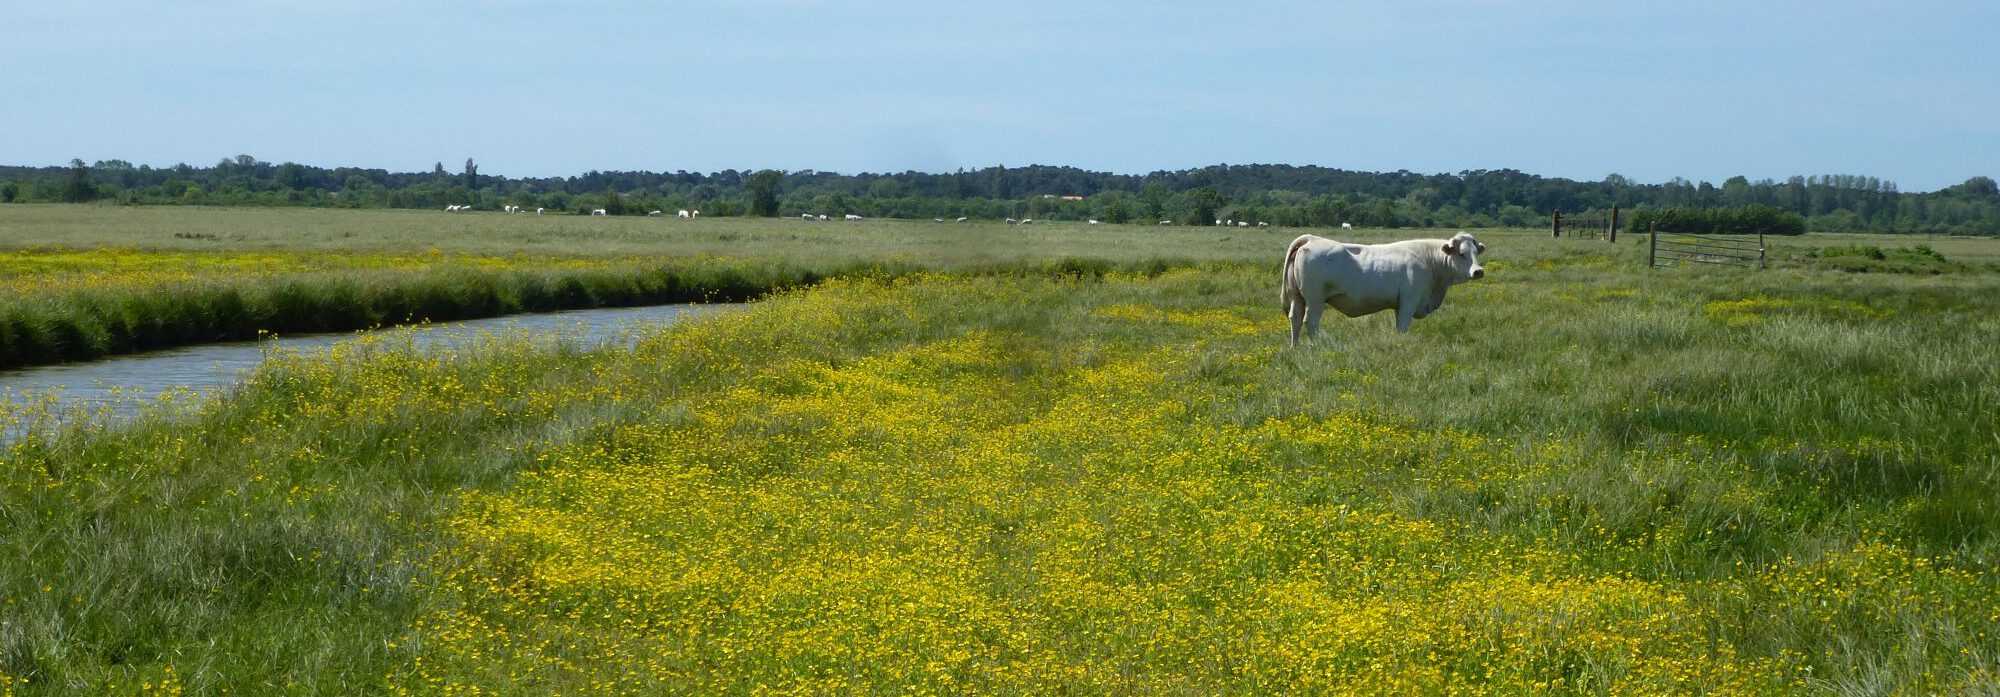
1904	90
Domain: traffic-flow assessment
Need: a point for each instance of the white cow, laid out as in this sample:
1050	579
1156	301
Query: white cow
683	213
654	214
1410	276
1011	221
1093	221
822	217
598	211
1347	226
961	219
852	216
1166	222
805	216
1027	221
538	211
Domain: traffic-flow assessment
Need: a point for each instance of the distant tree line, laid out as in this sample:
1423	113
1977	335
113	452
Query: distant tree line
1300	196
1728	220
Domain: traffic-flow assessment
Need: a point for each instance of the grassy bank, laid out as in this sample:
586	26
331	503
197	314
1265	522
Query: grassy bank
1578	477
81	315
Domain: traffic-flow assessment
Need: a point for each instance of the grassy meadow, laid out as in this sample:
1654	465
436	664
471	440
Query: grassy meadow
978	459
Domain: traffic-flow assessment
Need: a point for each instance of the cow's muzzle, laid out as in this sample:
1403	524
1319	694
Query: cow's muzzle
1478	274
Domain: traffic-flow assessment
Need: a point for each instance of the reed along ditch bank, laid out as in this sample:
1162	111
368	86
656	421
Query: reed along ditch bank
83	320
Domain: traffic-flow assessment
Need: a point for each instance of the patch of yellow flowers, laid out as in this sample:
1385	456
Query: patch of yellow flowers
1758	309
987	512
55	271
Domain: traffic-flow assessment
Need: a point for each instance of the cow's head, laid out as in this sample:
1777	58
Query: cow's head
1464	251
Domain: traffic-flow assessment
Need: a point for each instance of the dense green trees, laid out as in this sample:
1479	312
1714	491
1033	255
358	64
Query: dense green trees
1731	220
77	188
1278	194
763	187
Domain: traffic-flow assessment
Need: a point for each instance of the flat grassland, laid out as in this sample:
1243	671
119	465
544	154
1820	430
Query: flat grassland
984	459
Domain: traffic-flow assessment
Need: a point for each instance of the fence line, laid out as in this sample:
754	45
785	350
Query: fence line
1673	249
1593	227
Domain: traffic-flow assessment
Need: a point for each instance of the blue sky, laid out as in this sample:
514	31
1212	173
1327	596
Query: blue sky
1905	90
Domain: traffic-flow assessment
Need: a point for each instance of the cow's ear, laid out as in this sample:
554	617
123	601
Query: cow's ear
1450	250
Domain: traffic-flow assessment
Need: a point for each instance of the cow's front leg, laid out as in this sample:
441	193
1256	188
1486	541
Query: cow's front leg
1405	311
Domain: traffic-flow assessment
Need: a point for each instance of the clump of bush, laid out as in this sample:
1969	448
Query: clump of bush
1742	220
1864	258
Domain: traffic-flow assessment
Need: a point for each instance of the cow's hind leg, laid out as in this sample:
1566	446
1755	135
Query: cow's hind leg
1295	308
1313	313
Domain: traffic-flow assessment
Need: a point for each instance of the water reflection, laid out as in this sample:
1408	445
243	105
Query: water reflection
121	384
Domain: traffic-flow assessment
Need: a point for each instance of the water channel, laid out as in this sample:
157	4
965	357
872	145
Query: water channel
121	384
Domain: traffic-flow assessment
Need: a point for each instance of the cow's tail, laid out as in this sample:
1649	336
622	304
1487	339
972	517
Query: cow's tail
1287	280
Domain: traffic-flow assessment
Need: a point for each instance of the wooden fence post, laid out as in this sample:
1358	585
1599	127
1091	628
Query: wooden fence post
1653	247
1556	223
1613	225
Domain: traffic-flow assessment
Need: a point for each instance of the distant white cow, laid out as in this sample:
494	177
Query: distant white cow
598	211
1011	221
683	214
1242	223
1261	223
538	211
1347	226
1093	221
694	214
453	208
1166	222
852	216
654	214
1410	276
822	217
805	216
961	219
1027	221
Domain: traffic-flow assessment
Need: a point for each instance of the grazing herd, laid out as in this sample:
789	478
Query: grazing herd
685	214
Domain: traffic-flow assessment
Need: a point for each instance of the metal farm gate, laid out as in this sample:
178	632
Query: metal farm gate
1674	249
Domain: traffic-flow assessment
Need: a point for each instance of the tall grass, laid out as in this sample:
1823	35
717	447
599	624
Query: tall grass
124	317
1081	475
